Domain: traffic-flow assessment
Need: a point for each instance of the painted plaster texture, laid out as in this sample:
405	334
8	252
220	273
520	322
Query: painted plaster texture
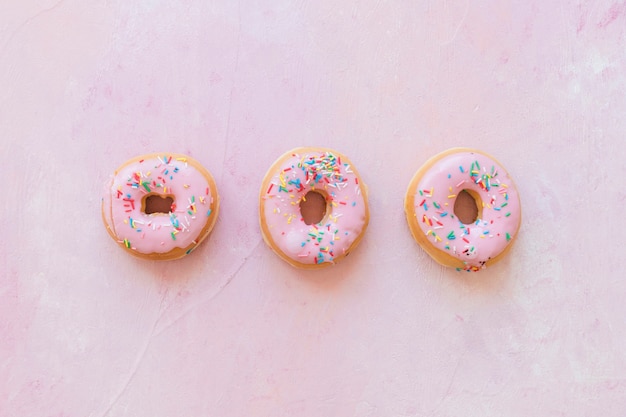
232	330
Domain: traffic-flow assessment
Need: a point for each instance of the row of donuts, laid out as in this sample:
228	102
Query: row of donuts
461	206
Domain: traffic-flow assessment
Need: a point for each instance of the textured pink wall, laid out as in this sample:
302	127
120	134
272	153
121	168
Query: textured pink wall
86	330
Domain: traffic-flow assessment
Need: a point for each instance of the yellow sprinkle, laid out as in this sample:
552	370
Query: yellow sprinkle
182	159
452	196
186	185
450	188
437	238
429	232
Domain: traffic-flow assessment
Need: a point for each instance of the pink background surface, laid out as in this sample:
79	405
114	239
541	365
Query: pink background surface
87	330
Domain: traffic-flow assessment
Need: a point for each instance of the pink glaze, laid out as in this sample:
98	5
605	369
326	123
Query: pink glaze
346	214
488	236
158	232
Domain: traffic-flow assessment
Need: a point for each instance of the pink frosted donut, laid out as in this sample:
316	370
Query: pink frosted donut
431	210
298	178
160	206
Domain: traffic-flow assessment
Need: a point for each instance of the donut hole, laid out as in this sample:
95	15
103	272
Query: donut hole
313	207
467	206
157	203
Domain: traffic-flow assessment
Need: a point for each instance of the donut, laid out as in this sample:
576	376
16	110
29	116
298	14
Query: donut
160	206
313	207
463	209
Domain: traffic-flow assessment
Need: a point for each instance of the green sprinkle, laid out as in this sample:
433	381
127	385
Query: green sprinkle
451	235
508	237
173	236
508	214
